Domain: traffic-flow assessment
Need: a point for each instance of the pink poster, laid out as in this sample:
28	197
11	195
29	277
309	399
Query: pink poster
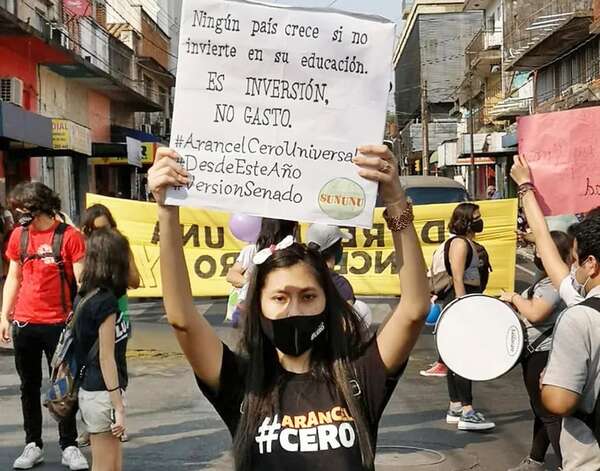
563	150
78	7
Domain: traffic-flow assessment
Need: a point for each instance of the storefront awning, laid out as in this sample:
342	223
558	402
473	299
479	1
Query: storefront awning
120	133
116	154
21	129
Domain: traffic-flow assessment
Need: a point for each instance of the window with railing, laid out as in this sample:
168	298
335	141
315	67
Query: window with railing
580	67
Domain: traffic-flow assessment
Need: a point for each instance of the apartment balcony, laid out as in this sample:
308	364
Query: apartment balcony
483	143
547	35
80	51
484	52
100	63
511	108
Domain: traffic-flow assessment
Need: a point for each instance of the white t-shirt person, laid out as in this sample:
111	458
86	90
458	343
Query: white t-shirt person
574	364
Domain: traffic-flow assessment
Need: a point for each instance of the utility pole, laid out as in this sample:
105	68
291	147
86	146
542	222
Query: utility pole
425	127
473	175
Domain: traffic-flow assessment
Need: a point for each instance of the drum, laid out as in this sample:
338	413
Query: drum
479	338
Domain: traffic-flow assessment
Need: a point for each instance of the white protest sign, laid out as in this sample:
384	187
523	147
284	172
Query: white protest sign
271	104
134	151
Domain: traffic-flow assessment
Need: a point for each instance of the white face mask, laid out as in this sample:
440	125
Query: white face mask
578	285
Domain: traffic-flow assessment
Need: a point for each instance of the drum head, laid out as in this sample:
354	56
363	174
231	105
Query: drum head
479	338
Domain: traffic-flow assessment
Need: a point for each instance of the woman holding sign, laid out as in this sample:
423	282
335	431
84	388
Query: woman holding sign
308	390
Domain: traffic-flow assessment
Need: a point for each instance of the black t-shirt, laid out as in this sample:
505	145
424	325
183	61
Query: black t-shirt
314	429
93	313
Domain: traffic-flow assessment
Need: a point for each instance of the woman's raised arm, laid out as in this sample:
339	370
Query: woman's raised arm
400	333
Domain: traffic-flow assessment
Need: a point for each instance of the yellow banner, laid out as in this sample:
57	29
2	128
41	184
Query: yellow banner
211	249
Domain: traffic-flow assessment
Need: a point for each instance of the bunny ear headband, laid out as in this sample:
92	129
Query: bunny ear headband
262	256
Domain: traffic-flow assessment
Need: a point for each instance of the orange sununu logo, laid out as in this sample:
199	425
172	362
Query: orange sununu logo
342	199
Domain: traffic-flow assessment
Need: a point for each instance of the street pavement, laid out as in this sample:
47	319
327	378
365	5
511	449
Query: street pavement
172	427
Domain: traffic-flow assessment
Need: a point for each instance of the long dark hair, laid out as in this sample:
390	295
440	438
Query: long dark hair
273	231
462	218
331	359
91	214
106	263
563	243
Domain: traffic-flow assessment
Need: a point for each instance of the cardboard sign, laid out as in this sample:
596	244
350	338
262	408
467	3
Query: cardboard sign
271	104
562	150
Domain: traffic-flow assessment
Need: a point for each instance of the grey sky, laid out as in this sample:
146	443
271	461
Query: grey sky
387	8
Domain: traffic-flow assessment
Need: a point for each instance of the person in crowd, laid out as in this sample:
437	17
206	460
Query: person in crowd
46	259
97	217
560	273
571	382
271	232
465	224
308	392
104	280
492	193
328	241
539	307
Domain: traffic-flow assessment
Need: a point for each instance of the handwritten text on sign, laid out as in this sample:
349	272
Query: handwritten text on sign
271	104
562	151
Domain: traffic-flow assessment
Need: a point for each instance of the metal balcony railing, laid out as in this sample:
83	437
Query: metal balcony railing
529	32
484	40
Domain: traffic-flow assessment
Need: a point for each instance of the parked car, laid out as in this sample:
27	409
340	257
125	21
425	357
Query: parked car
432	190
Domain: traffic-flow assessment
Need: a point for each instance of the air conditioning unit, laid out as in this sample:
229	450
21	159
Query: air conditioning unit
11	90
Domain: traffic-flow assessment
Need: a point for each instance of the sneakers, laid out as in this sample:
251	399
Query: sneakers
74	459
474	421
32	455
529	465
437	370
453	417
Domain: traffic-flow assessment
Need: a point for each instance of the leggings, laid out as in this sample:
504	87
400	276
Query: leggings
546	427
459	388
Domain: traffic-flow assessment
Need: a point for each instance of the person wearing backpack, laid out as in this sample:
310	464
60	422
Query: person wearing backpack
46	259
539	307
465	266
101	328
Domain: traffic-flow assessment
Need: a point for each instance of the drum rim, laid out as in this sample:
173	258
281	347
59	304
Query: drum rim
521	324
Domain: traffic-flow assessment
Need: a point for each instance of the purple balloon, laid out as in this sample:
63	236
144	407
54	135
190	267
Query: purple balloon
245	227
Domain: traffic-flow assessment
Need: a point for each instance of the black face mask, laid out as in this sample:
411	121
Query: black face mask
294	335
25	219
537	261
477	226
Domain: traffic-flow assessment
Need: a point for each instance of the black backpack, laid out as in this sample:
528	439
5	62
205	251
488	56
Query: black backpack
57	241
592	420
485	267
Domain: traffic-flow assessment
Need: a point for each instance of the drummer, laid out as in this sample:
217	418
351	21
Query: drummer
465	223
539	307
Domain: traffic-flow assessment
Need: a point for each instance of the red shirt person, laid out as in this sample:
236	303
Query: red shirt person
46	259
